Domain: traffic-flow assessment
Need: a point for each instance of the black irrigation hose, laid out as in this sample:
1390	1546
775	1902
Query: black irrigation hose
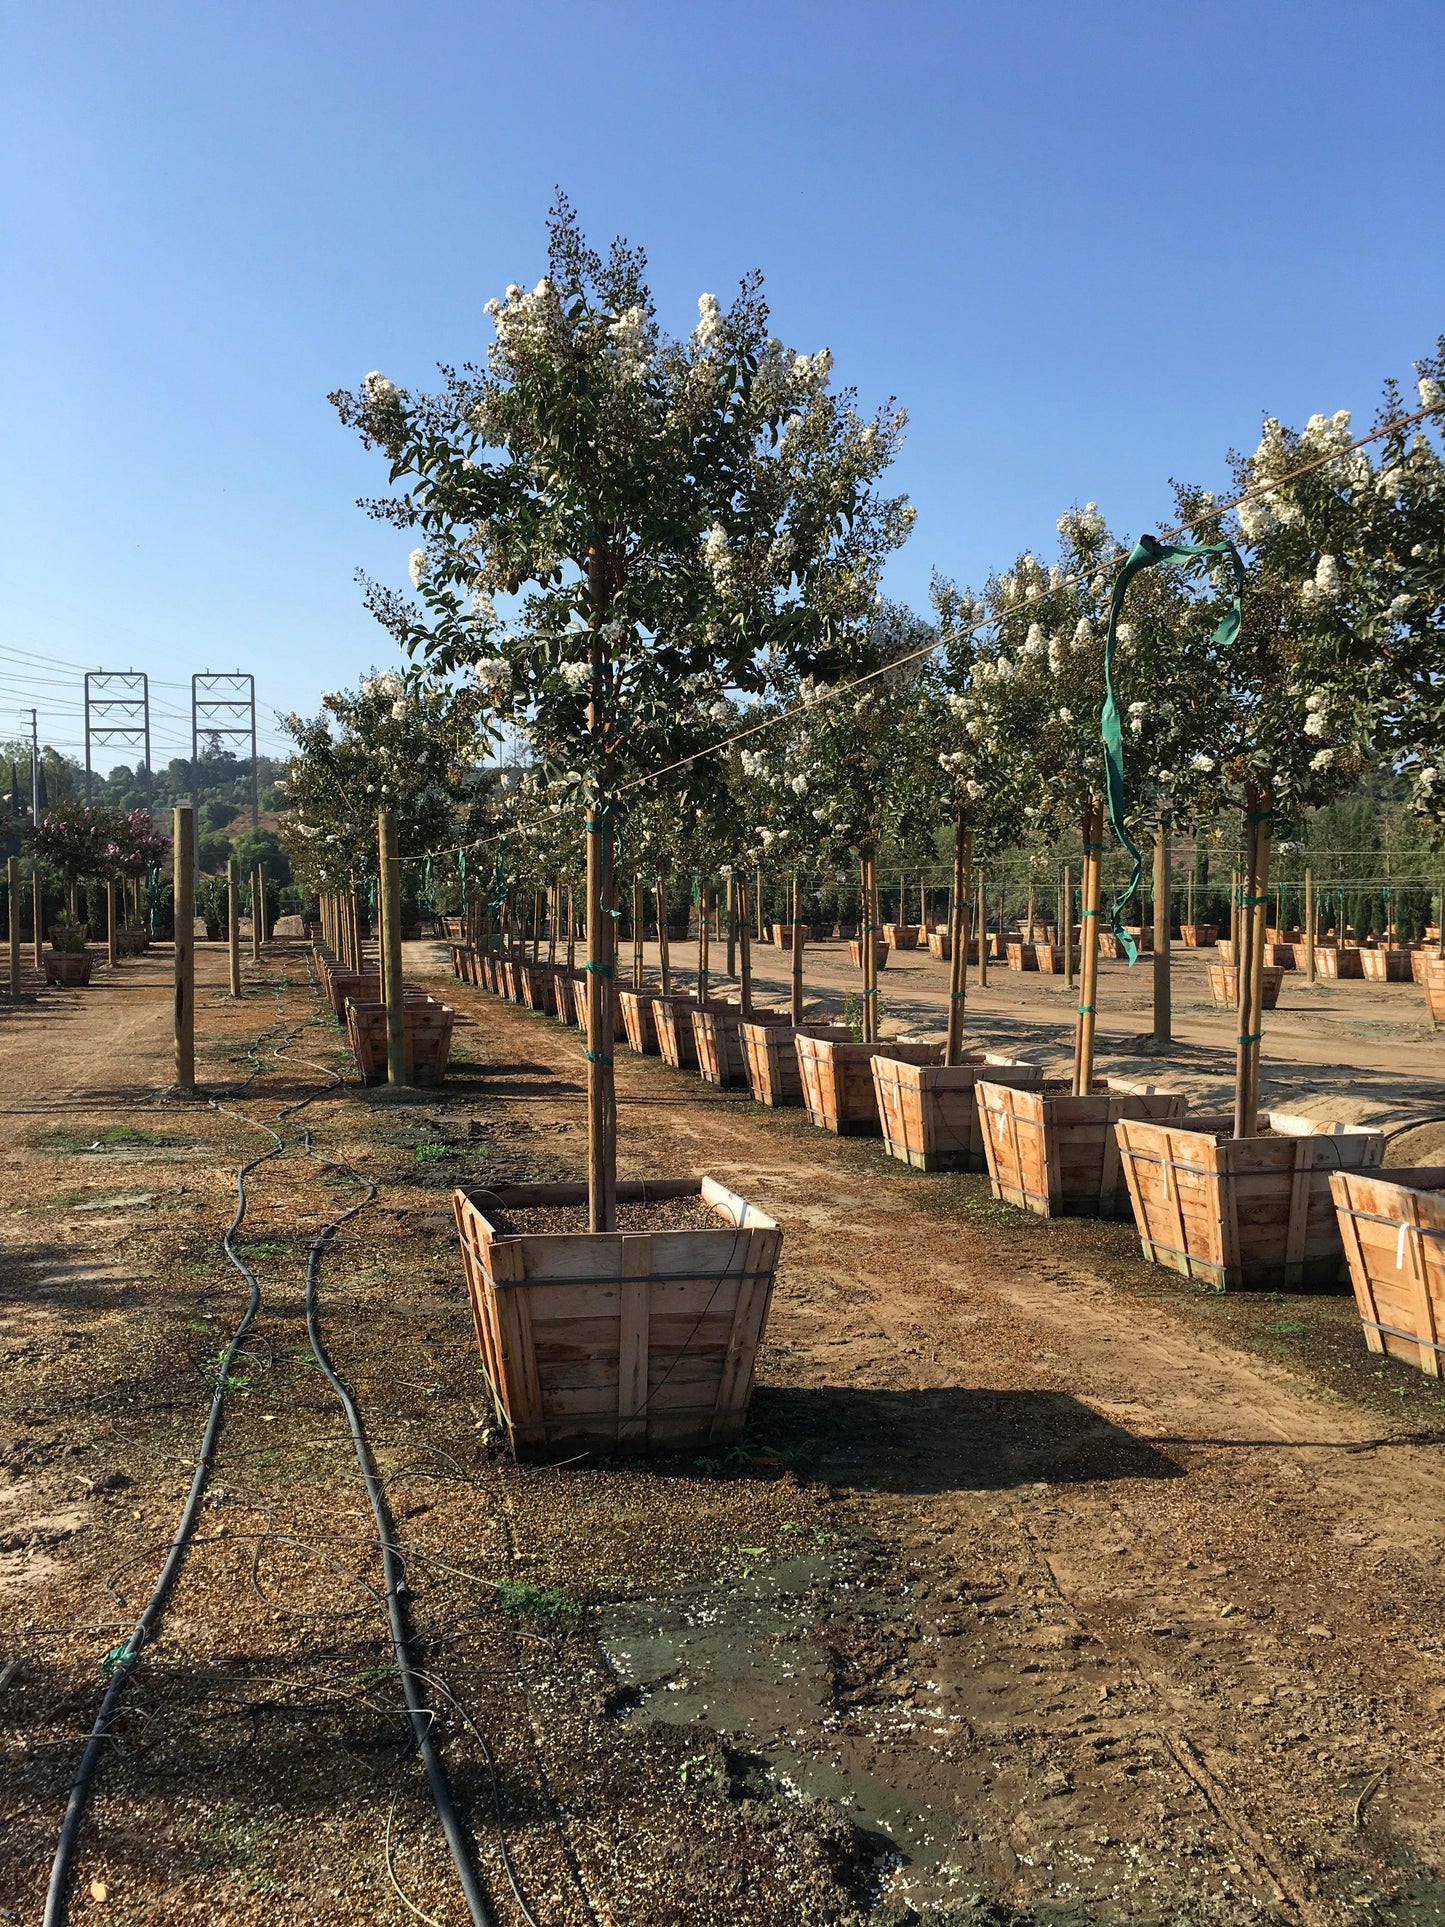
397	1590
57	1896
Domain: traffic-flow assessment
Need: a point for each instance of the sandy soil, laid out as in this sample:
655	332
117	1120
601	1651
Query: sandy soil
1046	1588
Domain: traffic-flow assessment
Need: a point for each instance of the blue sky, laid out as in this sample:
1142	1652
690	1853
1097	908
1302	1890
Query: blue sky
1088	247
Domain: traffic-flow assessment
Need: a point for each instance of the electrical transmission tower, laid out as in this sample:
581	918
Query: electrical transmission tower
118	712
223	708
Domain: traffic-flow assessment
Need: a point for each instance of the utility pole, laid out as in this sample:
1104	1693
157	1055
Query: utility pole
223	706
34	770
118	712
184	874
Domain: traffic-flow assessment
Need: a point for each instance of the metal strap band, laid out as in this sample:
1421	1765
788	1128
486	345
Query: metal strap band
1409	1338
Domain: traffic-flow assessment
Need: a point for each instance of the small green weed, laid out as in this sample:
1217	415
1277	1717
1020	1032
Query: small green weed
61	1140
852	1012
434	1153
519	1596
240	1842
1287	1328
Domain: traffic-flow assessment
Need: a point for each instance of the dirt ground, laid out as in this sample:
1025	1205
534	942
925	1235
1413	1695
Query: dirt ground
1045	1588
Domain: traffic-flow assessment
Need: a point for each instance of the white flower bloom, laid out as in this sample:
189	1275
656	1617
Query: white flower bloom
1327	577
1316	699
1322	759
1056	654
481	609
1432	395
1083	633
1066	715
378	389
1256	518
709	325
494	676
1036	643
799	786
717	555
576	675
399	711
1201	762
1315	723
1124	633
1400	607
628	334
417	567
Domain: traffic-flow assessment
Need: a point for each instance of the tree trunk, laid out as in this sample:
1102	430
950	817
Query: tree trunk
389	895
745	949
184	878
796	995
704	935
601	1095
664	951
1088	950
233	924
870	906
1249	956
637	915
1066	926
1163	989
982	930
732	918
958	933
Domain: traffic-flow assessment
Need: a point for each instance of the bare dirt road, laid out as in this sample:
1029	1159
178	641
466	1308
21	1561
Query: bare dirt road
1046	1587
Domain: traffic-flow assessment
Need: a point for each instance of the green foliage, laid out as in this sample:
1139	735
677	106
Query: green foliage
520	1597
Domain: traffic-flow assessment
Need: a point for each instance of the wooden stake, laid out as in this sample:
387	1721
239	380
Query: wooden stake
184	879
1250	959
745	949
112	946
1163	989
982	930
12	878
1066	926
796	995
732	922
388	894
637	914
601	1094
233	923
664	951
258	911
704	938
1089	951
37	915
958	935
1309	925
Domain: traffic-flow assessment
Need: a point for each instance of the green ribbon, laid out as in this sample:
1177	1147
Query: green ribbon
1147	551
499	880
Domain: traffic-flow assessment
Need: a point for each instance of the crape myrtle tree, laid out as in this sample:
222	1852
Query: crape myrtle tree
662	512
402	741
1035	692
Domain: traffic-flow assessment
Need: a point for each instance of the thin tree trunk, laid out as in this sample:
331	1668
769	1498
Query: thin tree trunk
796	995
745	949
233	924
664	951
1163	989
704	936
732	917
958	935
601	1094
1089	951
982	930
184	877
871	918
389	894
637	915
1250	958
1066	926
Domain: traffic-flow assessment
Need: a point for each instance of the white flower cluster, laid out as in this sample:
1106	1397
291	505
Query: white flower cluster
526	322
378	390
628	335
709	324
494	677
481	610
1083	527
417	567
1432	394
1317	705
576	675
386	687
811	372
717	556
1325	585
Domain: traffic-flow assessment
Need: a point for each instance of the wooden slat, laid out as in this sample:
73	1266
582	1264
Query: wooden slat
633	1341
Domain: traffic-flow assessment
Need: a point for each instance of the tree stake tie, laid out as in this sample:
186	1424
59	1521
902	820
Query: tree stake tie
1146	552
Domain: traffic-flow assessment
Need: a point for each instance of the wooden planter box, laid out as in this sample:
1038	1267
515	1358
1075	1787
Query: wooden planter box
539	987
131	940
1242	1214
618	1341
566	1011
672	1016
637	1020
1199	936
1279	956
855	953
428	1031
1224	985
578	987
1049	958
1335	961
845	932
1021	956
940	945
717	1039
901	936
466	964
1435	990
837	1079
783	935
1391	1227
344	984
1112	946
1056	1154
1386	966
929	1112
68	966
770	1055
1421	958
69	936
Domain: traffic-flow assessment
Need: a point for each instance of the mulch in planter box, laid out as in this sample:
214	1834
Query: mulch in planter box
837	1080
1224	985
1051	1152
1243	1214
1338	961
855	953
1392	1224
427	1028
1384	966
929	1112
717	1039
771	1057
628	1340
1021	955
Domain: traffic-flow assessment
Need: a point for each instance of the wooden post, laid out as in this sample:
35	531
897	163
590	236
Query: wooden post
1089	951
601	1093
637	914
958	936
12	878
258	911
389	895
795	1003
1250	959
112	945
184	877
37	915
732	920
1309	925
758	906
745	949
704	939
233	923
664	950
1163	989
554	924
1029	932
982	931
1066	926
571	929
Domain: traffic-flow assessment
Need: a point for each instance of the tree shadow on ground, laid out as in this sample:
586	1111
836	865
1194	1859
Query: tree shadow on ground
949	1438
